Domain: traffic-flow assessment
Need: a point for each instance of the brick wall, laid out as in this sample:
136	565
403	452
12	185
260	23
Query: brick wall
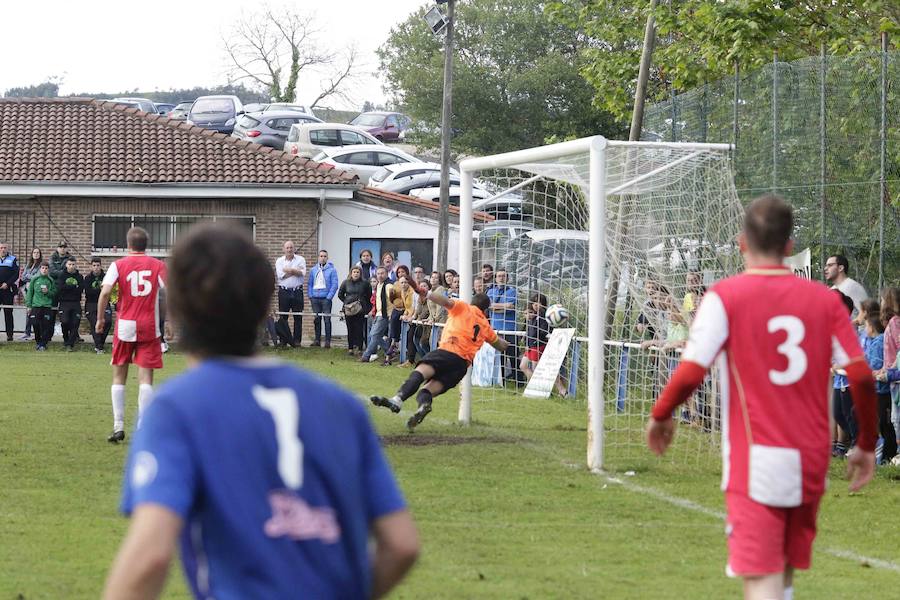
56	219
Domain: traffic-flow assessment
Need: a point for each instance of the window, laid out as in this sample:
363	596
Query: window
409	252
367	120
357	158
213	105
247	122
324	137
349	138
389	159
392	121
110	231
284	123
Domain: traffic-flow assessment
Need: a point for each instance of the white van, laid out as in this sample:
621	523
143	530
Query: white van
308	139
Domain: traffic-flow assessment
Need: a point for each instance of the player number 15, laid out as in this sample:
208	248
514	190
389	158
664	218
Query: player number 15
790	348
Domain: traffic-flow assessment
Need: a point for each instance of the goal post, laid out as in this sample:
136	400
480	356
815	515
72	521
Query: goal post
563	190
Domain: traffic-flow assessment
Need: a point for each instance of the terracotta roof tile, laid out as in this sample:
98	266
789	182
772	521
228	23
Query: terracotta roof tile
83	140
413	201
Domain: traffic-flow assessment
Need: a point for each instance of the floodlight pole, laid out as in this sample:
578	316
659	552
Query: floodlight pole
444	212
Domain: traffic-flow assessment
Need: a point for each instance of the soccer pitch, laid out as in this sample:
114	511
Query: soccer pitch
505	507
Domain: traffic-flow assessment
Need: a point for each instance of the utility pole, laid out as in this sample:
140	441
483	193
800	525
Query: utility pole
637	121
444	213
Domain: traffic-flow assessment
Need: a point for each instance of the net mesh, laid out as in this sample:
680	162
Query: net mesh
810	130
672	218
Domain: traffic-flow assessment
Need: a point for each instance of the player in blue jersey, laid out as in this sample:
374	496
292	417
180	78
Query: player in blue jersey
271	479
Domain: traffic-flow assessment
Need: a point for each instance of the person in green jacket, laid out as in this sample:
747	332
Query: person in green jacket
39	299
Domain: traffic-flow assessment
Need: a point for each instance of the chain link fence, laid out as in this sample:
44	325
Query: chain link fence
824	133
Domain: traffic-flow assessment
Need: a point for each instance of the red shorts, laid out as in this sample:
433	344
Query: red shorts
534	354
144	354
765	539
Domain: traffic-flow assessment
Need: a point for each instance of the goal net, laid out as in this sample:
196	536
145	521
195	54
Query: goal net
625	236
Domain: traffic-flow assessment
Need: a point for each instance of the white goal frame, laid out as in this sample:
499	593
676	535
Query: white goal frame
596	146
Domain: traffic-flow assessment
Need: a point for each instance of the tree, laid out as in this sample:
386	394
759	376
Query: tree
701	40
516	80
48	89
368	106
271	49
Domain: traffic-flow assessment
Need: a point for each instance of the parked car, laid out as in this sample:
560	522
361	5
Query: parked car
363	159
140	103
385	126
434	193
269	128
279	106
219	113
392	173
164	108
181	110
308	139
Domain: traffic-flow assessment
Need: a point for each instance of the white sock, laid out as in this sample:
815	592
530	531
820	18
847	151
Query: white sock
118	403
789	593
145	397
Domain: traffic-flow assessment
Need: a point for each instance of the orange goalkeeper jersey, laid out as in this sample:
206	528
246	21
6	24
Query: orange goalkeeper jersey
466	330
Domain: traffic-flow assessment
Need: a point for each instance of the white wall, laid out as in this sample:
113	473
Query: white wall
351	219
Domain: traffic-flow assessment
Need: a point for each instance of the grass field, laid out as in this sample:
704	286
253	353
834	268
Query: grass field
505	507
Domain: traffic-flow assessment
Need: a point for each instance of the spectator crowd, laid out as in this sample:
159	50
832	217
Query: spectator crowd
377	299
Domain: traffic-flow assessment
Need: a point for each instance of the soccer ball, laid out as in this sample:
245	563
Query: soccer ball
557	315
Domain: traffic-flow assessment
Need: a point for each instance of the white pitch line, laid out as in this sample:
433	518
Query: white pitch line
686	504
699	508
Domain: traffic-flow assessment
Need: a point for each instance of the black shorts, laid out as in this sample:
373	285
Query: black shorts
449	368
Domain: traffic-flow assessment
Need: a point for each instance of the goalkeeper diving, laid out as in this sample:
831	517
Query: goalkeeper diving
466	330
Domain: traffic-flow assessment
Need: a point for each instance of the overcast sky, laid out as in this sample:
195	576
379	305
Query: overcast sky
112	45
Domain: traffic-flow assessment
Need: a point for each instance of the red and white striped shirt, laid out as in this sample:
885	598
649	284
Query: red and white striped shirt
140	278
776	337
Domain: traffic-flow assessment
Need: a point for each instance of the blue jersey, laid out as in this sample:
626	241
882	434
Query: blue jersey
277	474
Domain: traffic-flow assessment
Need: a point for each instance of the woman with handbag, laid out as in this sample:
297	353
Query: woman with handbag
355	293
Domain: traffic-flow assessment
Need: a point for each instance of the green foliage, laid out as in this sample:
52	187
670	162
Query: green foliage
701	40
516	80
174	96
48	89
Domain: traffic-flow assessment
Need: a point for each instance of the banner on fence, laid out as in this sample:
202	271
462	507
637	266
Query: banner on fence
541	383
801	264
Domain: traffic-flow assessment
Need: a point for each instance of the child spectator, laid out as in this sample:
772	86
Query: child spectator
92	286
39	299
841	402
537	331
30	270
873	346
890	318
70	287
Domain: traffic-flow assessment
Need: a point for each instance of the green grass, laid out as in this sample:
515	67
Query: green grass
505	506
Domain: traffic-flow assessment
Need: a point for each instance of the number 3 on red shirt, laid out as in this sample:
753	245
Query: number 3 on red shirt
790	348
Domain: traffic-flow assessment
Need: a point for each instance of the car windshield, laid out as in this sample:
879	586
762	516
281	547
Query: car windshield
184	106
213	105
379	175
290	107
247	122
368	121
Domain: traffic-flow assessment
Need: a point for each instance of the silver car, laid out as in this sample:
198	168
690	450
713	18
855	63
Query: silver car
269	128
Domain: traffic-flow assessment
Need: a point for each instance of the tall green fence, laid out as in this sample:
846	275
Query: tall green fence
823	132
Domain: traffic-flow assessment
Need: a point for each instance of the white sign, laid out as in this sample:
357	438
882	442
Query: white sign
547	370
801	264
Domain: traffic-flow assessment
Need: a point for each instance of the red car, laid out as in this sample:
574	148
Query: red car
384	126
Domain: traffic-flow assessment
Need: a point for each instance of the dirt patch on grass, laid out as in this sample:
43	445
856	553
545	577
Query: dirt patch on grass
424	439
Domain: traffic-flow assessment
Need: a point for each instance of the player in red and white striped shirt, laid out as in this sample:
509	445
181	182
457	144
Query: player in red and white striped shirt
775	336
136	340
